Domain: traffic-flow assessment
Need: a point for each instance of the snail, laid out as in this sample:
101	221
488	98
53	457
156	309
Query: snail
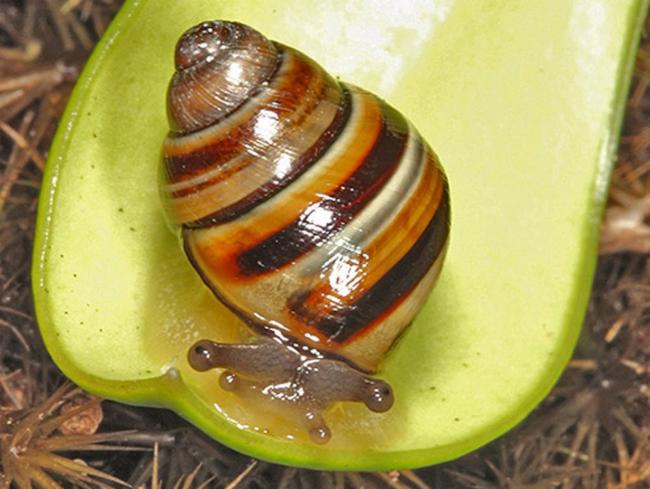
311	208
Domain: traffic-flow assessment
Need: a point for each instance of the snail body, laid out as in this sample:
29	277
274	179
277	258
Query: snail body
311	208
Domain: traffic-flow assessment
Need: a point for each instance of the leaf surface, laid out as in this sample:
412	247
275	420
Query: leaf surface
521	100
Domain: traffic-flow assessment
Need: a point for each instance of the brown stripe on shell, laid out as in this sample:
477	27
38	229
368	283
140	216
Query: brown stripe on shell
219	245
353	270
259	325
301	85
247	175
319	221
272	187
242	145
393	287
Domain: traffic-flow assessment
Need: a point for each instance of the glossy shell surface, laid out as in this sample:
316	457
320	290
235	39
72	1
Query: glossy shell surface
312	209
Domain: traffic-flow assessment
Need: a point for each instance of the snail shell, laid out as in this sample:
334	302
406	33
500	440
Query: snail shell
311	208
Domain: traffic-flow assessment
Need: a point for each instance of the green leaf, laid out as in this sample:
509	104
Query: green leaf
521	100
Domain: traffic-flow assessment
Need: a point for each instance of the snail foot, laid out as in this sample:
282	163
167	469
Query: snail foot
282	396
321	381
273	375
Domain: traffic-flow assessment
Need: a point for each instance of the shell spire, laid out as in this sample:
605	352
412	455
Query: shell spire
219	65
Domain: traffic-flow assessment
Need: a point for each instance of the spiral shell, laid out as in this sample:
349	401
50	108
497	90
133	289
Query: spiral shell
312	209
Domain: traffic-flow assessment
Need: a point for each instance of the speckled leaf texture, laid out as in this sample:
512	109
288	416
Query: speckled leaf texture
521	100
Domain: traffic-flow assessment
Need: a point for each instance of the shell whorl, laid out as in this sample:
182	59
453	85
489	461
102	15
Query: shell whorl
311	208
218	66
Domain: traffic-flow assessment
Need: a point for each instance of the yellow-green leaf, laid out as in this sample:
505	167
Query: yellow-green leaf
521	100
